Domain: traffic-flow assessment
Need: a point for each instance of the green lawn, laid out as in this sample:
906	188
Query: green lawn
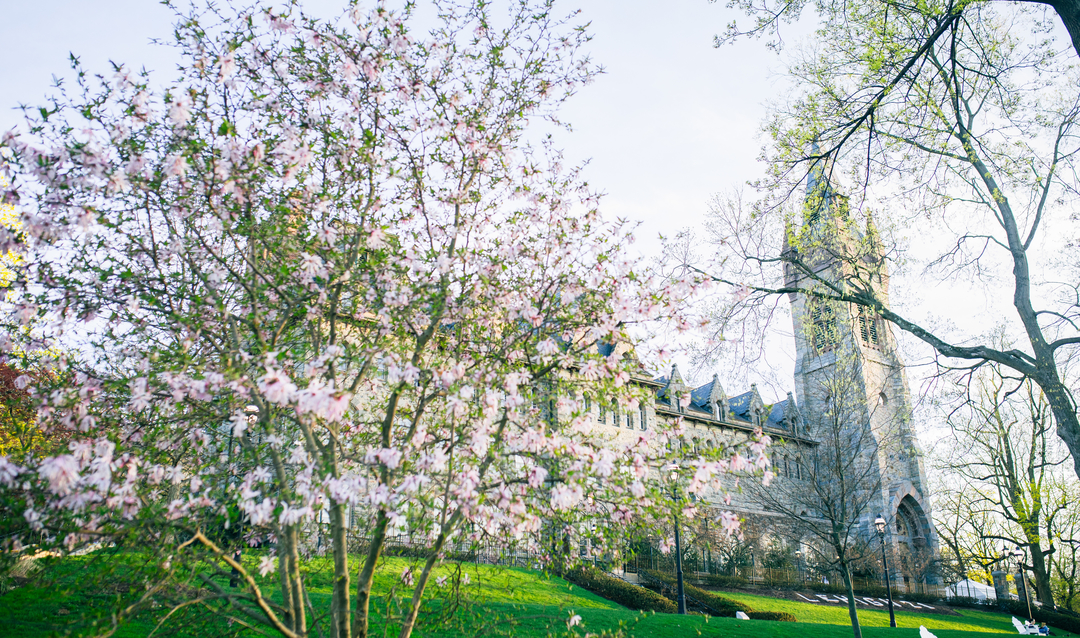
970	620
501	602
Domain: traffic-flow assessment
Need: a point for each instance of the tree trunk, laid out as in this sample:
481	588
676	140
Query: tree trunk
1042	578
1061	404
425	576
850	589
367	576
341	621
1069	12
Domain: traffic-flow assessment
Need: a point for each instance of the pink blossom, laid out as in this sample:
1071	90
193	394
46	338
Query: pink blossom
537	476
226	67
239	422
377	239
605	463
564	496
312	266
33	518
276	386
176	165
266	565
729	522
8	471
389	457
62	472
180	110
140	395
547	347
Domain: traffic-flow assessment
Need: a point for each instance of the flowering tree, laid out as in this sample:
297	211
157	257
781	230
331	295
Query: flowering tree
321	278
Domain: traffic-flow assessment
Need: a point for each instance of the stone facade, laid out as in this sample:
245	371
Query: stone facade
831	340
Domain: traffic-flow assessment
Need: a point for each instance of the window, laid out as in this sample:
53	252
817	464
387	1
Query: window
868	327
824	333
644	414
588	402
601	416
629	420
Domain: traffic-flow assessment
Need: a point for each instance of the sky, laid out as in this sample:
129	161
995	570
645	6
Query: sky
671	122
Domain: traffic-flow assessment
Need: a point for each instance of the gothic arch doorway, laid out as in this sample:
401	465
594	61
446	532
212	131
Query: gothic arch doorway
912	526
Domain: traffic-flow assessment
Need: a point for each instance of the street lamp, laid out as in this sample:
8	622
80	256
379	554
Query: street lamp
799	566
1018	554
673	474
879	523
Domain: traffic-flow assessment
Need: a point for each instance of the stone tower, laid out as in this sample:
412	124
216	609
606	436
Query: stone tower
847	364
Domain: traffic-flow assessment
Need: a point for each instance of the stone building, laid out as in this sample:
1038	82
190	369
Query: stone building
831	340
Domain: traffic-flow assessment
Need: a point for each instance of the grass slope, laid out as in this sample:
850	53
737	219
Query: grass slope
502	602
969	621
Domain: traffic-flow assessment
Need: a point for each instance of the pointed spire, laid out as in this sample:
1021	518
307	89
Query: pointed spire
717	398
675	376
873	238
793	415
675	388
819	192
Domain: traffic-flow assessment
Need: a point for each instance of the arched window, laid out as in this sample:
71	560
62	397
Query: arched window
824	332
868	327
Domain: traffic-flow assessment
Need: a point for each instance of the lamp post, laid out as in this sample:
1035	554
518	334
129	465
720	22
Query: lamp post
1019	555
673	470
879	523
799	567
753	567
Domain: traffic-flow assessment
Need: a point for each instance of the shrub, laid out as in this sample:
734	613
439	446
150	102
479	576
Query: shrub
718	604
723	580
619	591
771	615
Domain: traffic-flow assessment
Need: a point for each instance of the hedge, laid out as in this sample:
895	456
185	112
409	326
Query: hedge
723	580
782	616
719	604
619	591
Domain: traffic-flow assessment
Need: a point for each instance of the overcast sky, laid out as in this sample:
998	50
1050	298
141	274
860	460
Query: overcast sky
672	120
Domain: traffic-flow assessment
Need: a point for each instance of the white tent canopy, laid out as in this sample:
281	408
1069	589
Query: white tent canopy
971	589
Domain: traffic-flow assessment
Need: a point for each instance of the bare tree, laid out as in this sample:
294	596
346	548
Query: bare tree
1065	560
830	508
967	528
1004	452
971	153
